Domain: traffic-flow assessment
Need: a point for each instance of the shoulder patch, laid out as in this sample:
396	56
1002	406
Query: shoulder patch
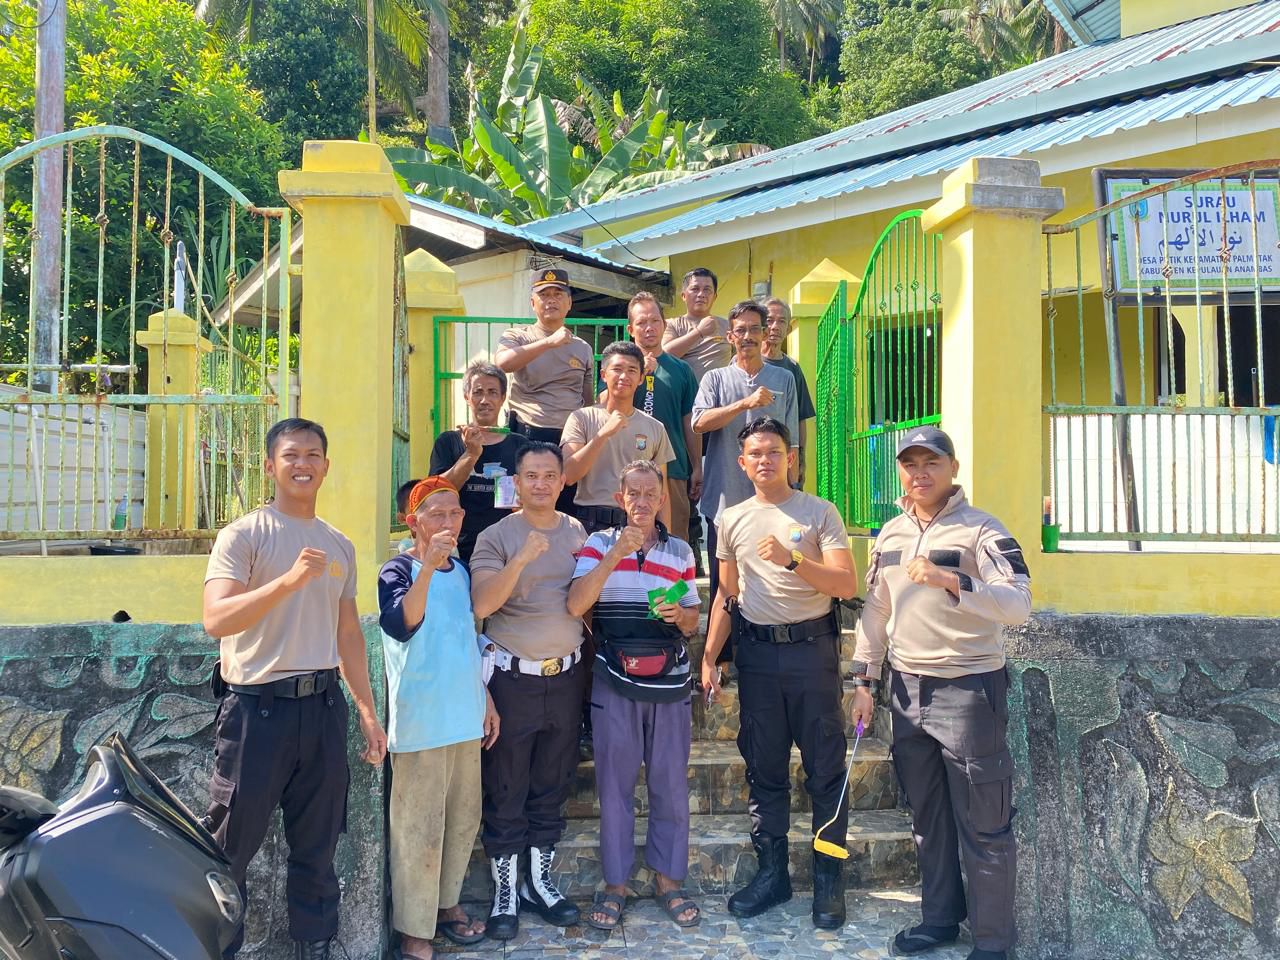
1009	549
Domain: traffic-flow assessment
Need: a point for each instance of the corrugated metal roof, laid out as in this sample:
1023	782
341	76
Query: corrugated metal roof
516	233
1087	21
1199	99
1073	79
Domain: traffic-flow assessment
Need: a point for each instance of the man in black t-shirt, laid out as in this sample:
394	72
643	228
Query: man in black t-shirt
479	458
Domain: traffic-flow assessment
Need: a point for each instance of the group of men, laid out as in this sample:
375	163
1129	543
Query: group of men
512	596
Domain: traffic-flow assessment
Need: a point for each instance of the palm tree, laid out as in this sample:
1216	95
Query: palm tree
402	35
1010	33
808	20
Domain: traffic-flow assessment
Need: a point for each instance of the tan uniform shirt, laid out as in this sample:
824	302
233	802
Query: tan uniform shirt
643	438
534	623
300	633
553	385
768	593
710	353
928	630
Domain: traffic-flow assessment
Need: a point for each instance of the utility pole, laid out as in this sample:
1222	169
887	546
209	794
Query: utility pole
370	28
46	259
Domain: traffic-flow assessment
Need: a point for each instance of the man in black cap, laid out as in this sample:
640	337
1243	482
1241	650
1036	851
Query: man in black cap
552	371
944	578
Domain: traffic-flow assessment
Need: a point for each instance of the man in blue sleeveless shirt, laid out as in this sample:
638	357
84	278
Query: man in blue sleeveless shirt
440	715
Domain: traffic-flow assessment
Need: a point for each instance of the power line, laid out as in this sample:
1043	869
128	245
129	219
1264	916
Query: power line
36	26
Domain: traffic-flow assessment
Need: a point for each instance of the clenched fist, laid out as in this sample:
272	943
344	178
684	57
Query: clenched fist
533	548
630	540
561	337
440	547
309	565
761	398
611	426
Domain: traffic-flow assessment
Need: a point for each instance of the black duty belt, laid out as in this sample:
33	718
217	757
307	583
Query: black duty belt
602	516
823	626
290	688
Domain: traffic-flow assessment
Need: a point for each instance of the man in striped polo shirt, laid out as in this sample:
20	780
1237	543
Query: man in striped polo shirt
640	581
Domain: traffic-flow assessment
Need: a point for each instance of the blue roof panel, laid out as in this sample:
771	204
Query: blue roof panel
1069	81
1196	100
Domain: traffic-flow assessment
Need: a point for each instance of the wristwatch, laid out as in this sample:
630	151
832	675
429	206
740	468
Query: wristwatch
872	685
796	557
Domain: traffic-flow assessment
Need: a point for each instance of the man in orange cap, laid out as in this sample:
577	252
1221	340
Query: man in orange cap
439	717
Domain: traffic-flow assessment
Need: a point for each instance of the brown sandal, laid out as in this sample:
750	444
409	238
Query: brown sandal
676	902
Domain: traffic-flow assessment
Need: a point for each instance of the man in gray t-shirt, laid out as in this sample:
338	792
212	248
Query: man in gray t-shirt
728	399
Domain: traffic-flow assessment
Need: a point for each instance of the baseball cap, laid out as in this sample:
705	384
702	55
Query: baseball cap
550	278
931	438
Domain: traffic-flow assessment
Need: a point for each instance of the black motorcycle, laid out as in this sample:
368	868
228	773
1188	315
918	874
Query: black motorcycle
121	871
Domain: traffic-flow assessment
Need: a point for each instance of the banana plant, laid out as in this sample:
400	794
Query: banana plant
520	162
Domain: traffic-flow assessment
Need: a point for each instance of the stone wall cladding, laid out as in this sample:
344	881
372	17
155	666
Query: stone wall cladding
64	688
1148	786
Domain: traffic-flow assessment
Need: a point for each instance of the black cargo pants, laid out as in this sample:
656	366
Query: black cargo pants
527	775
791	693
291	753
953	762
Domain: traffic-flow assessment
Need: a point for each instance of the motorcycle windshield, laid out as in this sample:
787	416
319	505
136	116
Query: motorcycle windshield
148	791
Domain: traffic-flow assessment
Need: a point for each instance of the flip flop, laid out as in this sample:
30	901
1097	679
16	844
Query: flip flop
611	905
449	929
676	902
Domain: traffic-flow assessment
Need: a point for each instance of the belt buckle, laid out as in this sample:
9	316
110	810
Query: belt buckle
781	632
552	667
306	685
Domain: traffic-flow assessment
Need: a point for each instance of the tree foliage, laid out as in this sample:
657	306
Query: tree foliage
150	65
312	82
714	58
900	52
526	156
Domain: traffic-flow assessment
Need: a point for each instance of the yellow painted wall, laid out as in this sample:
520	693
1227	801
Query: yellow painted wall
36	590
1137	16
1120	583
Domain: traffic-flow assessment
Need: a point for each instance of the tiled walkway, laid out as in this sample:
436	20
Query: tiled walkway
783	933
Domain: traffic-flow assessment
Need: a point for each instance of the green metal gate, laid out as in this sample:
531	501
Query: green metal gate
400	417
458	342
878	371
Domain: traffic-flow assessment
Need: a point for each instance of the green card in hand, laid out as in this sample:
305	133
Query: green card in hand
672	594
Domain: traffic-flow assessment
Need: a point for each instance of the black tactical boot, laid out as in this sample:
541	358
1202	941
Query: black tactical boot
504	918
538	891
828	892
772	883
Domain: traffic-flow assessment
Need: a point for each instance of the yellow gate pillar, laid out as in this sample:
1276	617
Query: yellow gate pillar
174	347
431	290
992	252
809	299
351	207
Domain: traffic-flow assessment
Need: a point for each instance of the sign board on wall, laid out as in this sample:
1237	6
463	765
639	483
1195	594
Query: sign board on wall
1176	238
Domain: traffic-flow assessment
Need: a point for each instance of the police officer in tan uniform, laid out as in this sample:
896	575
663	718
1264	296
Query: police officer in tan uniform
784	555
944	578
552	371
280	595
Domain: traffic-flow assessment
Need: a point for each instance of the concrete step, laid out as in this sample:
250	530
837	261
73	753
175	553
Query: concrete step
719	721
718	784
721	858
